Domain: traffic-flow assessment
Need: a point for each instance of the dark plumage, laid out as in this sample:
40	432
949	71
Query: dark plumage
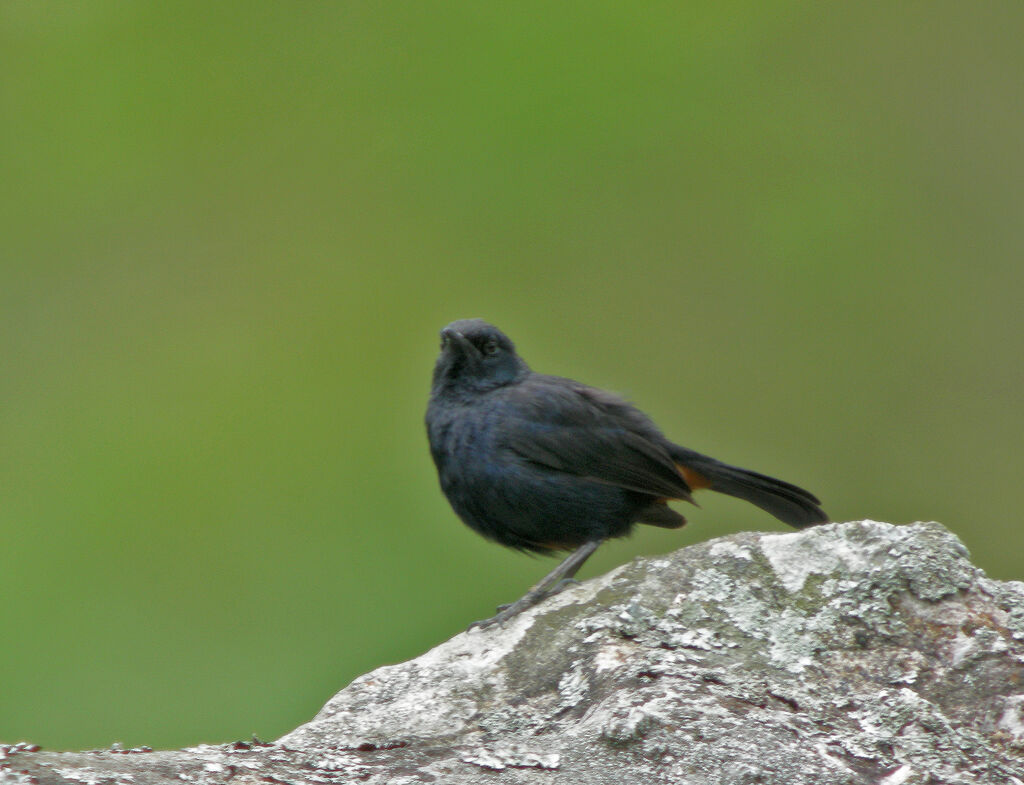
543	463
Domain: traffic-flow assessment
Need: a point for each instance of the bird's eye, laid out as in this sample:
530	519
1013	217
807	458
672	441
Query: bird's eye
491	347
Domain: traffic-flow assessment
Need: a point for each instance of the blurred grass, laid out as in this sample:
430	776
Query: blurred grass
229	234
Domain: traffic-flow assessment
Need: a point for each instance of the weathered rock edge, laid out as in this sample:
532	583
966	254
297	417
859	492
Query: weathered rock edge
849	653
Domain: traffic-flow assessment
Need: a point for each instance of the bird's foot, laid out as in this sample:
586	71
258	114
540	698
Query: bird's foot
512	609
562	585
506	612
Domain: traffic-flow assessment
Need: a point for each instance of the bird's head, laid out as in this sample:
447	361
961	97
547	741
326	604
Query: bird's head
476	357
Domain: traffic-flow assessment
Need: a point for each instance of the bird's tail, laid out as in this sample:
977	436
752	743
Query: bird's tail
786	502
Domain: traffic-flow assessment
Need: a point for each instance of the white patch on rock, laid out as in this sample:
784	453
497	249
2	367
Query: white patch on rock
700	638
796	556
898	777
611	657
729	548
86	776
335	760
963	647
822	749
573	687
1012	719
500	758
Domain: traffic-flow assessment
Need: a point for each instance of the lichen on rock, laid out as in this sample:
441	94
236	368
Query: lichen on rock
848	653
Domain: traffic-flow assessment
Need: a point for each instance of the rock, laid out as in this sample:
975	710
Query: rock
848	653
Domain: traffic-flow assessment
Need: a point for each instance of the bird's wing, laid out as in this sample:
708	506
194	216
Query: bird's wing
591	434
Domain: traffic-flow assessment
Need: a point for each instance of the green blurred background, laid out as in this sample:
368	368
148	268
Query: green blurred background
230	232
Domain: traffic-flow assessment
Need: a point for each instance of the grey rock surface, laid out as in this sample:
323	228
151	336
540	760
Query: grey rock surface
848	653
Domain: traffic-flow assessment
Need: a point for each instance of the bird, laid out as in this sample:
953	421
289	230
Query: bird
544	464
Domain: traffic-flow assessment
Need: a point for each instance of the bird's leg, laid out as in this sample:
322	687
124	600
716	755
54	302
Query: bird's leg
550	584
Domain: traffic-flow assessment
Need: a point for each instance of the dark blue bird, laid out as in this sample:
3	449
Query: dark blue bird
543	463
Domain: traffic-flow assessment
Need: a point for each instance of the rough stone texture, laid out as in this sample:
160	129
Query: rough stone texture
849	653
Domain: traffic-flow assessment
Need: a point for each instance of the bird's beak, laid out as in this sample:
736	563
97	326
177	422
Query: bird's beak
457	342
